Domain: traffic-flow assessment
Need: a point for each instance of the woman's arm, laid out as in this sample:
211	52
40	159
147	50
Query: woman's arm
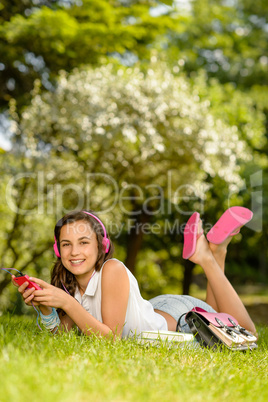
84	320
28	297
115	292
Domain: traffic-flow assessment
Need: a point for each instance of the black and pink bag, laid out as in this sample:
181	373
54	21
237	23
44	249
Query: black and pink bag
215	330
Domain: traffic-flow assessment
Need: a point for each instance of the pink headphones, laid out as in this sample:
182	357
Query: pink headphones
105	240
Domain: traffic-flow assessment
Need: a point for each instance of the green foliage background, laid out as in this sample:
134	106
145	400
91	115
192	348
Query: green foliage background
168	73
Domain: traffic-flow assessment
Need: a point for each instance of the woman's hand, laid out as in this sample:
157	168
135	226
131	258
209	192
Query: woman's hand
50	295
27	294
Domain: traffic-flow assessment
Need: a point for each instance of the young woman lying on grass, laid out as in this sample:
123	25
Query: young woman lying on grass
100	295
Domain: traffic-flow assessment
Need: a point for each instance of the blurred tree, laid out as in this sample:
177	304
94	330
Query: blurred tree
39	38
30	194
132	140
226	38
16	73
227	42
9	8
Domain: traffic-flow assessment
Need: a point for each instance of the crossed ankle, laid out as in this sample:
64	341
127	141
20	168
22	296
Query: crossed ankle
218	249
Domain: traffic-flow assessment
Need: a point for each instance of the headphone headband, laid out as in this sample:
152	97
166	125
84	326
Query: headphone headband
105	240
100	222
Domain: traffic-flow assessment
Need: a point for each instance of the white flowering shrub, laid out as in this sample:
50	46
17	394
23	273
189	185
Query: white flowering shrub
134	126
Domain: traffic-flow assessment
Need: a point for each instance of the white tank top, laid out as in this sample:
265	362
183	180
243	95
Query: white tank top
140	315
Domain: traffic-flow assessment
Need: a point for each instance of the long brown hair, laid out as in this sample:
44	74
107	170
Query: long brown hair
60	275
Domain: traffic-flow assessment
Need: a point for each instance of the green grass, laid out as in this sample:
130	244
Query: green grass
37	366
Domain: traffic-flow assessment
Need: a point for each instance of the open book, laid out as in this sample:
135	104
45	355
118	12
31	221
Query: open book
164	336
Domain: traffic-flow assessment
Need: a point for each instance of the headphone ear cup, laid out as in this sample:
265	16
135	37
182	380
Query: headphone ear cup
56	250
106	245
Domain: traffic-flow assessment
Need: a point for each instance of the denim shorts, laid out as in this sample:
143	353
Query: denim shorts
176	305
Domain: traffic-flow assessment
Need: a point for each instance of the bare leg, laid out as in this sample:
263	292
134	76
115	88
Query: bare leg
219	252
225	296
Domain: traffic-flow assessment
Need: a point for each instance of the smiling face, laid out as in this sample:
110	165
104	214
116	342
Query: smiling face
79	249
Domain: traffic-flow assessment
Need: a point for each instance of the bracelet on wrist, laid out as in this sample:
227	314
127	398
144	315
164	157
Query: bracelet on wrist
50	321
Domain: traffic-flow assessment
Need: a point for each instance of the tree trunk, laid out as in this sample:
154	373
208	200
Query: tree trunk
134	241
188	276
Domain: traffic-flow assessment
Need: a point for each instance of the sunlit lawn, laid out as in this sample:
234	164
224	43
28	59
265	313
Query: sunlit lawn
39	367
